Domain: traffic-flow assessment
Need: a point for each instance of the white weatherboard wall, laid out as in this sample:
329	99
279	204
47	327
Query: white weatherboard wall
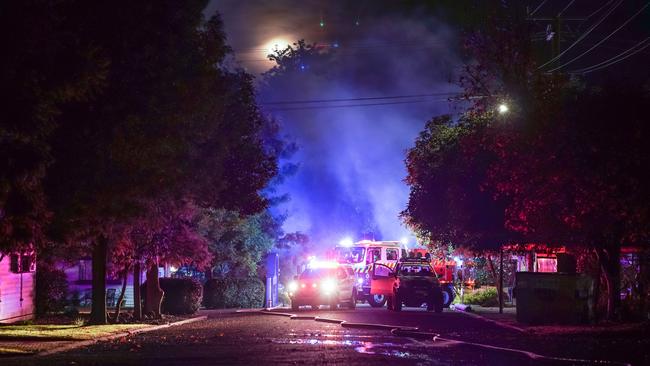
16	293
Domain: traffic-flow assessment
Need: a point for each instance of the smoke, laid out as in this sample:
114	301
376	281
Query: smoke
351	160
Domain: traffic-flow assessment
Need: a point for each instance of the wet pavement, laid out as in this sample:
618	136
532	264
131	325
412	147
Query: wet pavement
256	339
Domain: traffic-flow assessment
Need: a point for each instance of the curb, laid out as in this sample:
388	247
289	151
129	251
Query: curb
329	320
414	334
495	322
388	327
81	344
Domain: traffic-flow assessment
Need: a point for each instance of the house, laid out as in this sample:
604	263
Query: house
79	275
17	271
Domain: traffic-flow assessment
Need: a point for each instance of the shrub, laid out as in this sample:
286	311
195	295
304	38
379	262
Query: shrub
182	295
486	297
222	293
51	289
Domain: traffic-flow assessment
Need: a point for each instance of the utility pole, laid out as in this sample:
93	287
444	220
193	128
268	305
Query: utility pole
557	35
500	281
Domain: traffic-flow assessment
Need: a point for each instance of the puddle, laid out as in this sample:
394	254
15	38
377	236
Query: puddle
365	344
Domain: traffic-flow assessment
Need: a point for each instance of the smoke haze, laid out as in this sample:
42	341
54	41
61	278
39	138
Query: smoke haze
351	160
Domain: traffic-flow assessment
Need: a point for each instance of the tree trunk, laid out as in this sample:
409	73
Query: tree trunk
597	289
118	306
609	260
154	294
493	272
98	307
137	298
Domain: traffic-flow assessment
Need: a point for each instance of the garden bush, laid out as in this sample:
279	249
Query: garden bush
51	289
222	293
484	297
182	295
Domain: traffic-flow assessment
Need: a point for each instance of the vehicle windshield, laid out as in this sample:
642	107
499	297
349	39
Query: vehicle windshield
416	270
311	273
349	255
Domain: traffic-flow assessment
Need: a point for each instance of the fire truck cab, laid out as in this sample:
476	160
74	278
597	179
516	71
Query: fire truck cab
360	256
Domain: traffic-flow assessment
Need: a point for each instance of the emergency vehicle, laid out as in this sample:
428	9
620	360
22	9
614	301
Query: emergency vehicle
324	283
360	256
412	283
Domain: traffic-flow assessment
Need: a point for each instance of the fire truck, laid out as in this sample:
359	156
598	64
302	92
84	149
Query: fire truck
360	256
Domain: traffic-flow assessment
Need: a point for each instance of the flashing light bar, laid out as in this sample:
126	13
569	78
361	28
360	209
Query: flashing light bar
315	263
346	242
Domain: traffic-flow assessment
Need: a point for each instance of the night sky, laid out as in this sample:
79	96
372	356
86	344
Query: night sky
351	169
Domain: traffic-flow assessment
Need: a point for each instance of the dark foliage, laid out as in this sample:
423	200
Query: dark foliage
222	293
182	295
51	289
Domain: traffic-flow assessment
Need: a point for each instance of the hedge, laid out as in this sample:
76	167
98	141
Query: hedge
223	293
484	297
51	289
182	295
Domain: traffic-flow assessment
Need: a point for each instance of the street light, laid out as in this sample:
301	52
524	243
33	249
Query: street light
503	108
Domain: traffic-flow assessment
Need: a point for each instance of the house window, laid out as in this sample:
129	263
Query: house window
15	263
22	262
546	264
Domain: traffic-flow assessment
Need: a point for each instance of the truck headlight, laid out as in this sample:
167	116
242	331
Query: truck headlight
328	286
360	281
293	286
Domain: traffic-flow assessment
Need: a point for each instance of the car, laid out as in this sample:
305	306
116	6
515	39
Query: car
413	282
324	284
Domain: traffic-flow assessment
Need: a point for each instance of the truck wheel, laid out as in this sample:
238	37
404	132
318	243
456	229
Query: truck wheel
295	306
447	296
376	301
353	300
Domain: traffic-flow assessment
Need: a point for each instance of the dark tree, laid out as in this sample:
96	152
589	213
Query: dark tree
169	124
44	68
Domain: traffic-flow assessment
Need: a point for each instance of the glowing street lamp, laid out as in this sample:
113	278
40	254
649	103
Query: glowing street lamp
503	108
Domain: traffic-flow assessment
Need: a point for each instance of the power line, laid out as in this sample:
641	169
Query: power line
565	8
598	10
343	47
357	99
362	104
583	36
537	8
604	39
616	59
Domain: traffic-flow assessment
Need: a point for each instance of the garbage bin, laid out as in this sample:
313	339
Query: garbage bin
553	298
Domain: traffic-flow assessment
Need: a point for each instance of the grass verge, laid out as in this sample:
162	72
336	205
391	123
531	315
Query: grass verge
62	332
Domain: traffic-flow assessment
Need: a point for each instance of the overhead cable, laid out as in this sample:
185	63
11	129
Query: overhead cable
616	59
583	36
308	101
367	104
602	40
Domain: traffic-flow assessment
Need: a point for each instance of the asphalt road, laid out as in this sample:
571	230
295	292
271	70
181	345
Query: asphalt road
257	339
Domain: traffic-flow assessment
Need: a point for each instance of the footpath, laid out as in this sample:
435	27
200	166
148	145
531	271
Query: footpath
508	319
